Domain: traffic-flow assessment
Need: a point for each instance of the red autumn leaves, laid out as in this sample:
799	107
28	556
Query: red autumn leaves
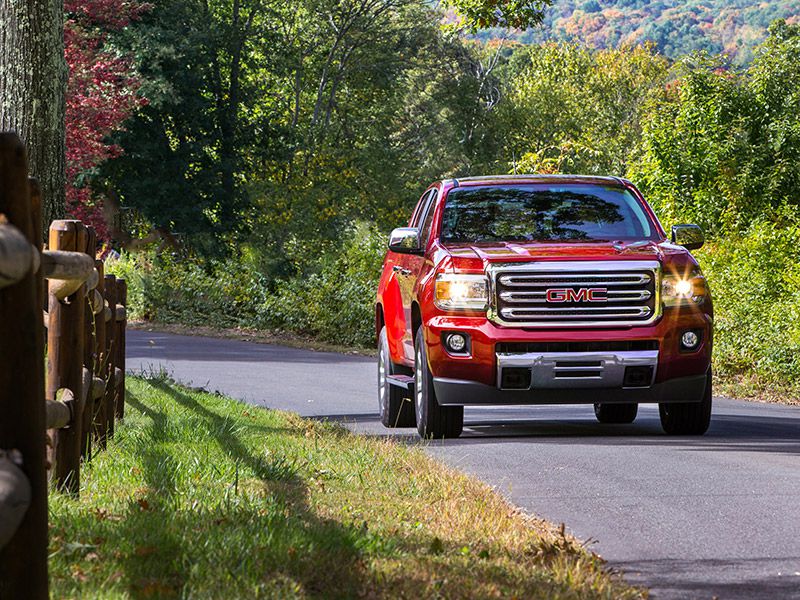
102	92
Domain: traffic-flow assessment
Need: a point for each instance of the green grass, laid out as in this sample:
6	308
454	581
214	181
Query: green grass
199	496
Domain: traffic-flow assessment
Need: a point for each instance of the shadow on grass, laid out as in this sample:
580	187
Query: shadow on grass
166	549
157	465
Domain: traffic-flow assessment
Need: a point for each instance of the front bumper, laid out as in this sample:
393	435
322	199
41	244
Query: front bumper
481	364
459	392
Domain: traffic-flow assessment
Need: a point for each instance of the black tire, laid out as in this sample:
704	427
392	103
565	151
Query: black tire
687	418
616	413
395	407
433	421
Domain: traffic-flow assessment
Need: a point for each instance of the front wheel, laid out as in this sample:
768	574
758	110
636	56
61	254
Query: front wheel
616	413
433	421
395	409
687	418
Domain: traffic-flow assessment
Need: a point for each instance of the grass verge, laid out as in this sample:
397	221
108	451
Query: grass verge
199	496
754	388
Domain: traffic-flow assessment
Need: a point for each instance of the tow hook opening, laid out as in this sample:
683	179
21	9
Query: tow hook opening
515	378
638	376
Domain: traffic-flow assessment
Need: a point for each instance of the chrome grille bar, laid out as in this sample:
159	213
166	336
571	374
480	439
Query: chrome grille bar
571	313
541	296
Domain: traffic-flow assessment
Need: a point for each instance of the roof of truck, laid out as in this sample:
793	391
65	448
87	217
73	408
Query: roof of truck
533	178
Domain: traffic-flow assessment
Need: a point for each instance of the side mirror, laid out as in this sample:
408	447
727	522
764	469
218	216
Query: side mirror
405	240
688	236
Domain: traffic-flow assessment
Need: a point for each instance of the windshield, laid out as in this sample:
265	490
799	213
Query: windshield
544	213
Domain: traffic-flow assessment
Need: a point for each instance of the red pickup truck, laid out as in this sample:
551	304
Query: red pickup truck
553	289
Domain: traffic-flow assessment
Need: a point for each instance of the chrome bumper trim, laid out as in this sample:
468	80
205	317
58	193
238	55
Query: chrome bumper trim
562	370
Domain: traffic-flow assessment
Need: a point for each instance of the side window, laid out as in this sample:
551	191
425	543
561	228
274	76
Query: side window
422	208
425	232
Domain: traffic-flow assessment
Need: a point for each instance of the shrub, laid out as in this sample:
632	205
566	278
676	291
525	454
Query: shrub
337	302
334	303
164	288
755	282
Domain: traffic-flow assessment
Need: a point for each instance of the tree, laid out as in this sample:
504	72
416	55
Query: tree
33	77
568	108
195	59
292	119
721	148
101	95
483	14
375	102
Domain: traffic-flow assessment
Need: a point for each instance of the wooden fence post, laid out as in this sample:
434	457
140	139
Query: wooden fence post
89	356
99	417
23	560
122	323
111	349
65	359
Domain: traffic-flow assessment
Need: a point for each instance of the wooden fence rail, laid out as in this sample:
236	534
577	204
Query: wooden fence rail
49	423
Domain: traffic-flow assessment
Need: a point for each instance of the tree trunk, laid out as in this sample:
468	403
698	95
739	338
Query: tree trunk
33	79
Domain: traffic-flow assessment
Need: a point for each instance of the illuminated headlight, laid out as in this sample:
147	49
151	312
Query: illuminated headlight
683	287
680	290
461	292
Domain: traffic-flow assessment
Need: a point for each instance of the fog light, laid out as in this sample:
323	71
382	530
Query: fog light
690	340
457	342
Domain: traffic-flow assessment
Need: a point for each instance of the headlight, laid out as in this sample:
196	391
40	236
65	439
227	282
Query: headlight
683	290
461	292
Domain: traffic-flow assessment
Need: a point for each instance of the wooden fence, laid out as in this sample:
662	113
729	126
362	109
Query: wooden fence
49	424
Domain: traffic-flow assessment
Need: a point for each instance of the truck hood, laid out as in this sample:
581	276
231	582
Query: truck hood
479	256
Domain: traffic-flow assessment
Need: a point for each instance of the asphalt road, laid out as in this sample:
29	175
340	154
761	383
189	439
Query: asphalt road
689	517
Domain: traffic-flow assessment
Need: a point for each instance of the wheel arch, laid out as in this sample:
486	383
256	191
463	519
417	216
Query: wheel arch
416	320
380	321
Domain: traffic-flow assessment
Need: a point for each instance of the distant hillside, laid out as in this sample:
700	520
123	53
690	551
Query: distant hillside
734	27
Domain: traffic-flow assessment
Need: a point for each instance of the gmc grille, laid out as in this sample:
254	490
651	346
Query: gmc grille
559	294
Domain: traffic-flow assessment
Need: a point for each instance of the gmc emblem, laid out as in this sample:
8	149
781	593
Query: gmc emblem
577	295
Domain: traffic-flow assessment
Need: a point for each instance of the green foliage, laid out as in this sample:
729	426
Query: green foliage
406	106
177	165
269	124
722	148
569	109
481	14
337	302
164	288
